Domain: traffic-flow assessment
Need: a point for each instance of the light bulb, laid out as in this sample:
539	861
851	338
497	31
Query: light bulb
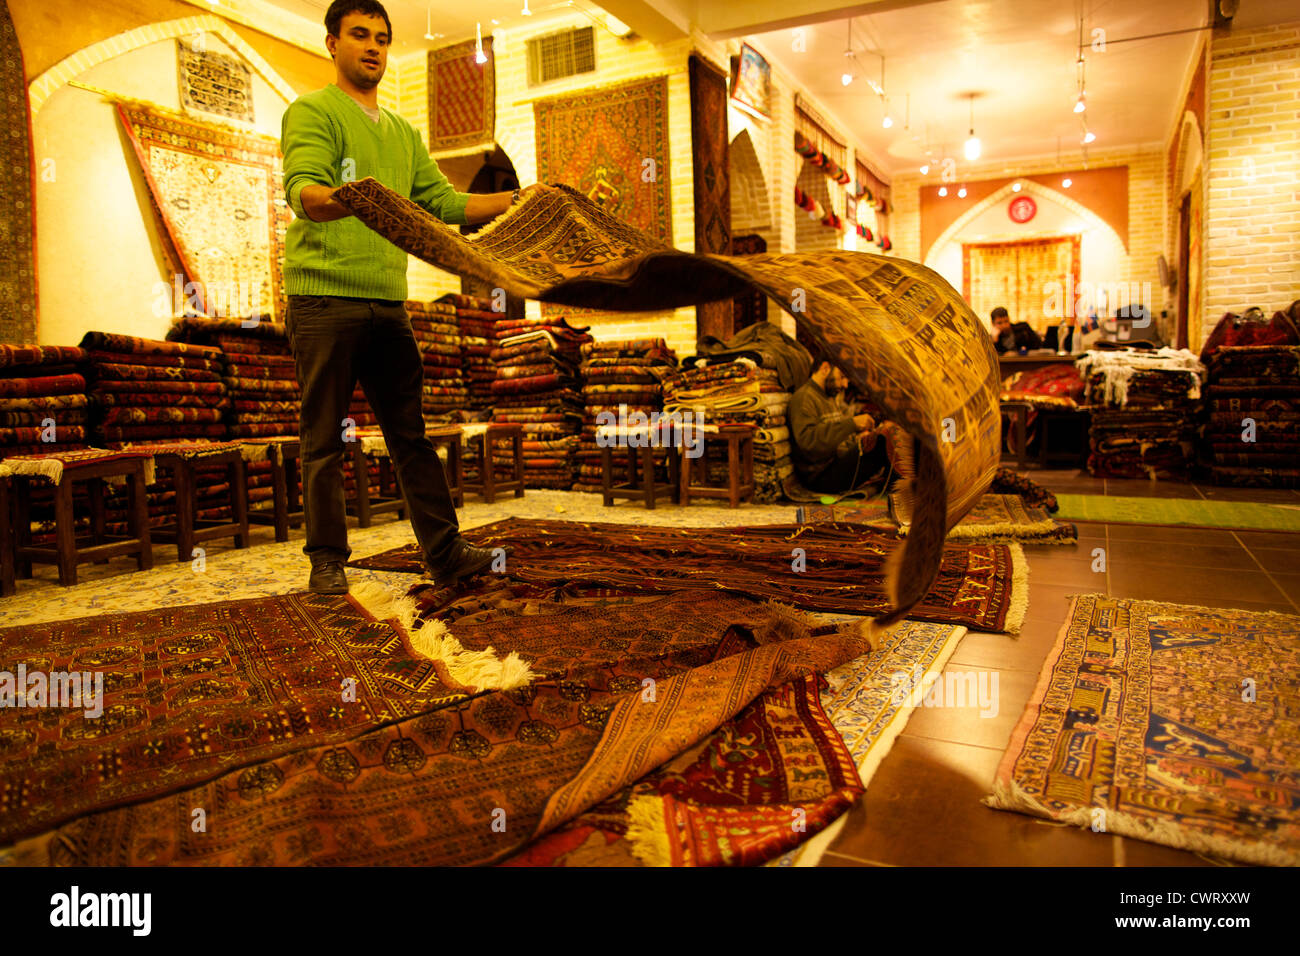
961	193
1079	104
887	122
1067	182
846	78
1015	187
525	11
972	148
1089	136
925	170
943	190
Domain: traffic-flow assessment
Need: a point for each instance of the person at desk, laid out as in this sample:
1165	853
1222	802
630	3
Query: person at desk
1008	337
833	451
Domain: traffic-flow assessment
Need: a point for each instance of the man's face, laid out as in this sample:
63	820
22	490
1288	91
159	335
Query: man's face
1001	324
361	49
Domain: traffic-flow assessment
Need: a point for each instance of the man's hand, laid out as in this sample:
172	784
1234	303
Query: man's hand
864	422
319	204
867	439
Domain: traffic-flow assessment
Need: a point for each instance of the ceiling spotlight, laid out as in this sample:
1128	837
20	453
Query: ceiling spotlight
1089	136
525	12
943	190
846	78
428	26
887	122
1015	187
479	55
1067	182
925	170
1079	104
961	193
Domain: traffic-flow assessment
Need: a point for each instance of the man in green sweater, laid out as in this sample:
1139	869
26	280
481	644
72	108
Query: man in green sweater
347	285
833	451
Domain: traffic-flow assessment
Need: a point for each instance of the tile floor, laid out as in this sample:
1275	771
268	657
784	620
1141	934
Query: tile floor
923	805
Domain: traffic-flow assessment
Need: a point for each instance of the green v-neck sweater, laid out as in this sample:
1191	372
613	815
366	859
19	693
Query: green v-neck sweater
327	140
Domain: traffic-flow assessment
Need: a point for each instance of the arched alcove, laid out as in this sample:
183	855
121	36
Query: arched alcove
809	233
751	206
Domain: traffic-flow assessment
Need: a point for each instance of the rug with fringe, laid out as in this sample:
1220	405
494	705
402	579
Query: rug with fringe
1168	723
556	718
817	567
995	518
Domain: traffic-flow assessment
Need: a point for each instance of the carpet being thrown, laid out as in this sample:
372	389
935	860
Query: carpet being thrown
898	329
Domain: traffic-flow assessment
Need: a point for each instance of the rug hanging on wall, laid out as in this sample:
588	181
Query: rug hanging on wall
709	147
610	144
896	328
462	99
217	192
1174	724
213	82
983	586
426	788
17	194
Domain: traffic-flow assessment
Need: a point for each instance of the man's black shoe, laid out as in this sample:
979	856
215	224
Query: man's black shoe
328	578
463	561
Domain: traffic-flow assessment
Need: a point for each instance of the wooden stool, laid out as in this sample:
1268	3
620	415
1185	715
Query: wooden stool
643	486
487	485
287	512
1018	412
188	530
365	504
449	435
67	551
7	583
740	465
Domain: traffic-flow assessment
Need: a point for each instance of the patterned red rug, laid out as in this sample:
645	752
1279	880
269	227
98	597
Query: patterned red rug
462	99
983	586
450	780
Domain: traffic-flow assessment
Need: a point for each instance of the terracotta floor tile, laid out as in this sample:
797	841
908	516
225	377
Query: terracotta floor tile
1049	602
1140	488
1142	853
1070	565
1281	540
1204	586
923	809
1289	583
1161	535
1278	559
1023	652
830	858
990	702
1130	554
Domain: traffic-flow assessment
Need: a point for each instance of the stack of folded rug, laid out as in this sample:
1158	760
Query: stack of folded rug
477	324
1252	429
259	373
621	381
436	332
43	404
147	389
1145	410
537	387
739	392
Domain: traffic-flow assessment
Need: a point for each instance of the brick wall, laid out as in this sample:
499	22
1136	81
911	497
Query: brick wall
1252	234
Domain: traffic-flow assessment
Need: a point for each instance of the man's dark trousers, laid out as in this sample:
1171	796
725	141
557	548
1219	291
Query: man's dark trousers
336	342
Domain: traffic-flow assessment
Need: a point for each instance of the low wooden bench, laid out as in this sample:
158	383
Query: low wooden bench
740	465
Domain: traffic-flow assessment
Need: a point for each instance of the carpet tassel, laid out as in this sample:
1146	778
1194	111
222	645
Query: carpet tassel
647	831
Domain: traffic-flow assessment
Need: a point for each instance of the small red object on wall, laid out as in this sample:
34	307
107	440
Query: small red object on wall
1022	209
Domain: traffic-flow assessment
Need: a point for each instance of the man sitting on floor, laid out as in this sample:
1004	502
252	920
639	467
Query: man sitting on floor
833	451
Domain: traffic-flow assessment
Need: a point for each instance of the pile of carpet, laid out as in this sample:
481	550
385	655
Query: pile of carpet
623	379
1145	406
151	390
1252	429
739	392
43	403
536	386
476	322
437	334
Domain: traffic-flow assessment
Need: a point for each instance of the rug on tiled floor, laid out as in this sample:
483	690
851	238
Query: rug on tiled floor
817	567
994	519
476	780
1186	512
1163	722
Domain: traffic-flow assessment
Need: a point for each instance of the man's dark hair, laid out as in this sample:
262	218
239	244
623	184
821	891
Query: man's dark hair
341	8
999	313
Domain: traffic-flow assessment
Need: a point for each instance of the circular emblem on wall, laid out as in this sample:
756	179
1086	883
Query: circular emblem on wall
1022	209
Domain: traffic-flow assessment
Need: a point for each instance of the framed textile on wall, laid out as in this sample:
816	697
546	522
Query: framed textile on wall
17	195
751	82
218	193
214	83
1026	277
462	99
611	145
709	148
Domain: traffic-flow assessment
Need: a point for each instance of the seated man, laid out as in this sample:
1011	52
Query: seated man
1008	337
833	451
